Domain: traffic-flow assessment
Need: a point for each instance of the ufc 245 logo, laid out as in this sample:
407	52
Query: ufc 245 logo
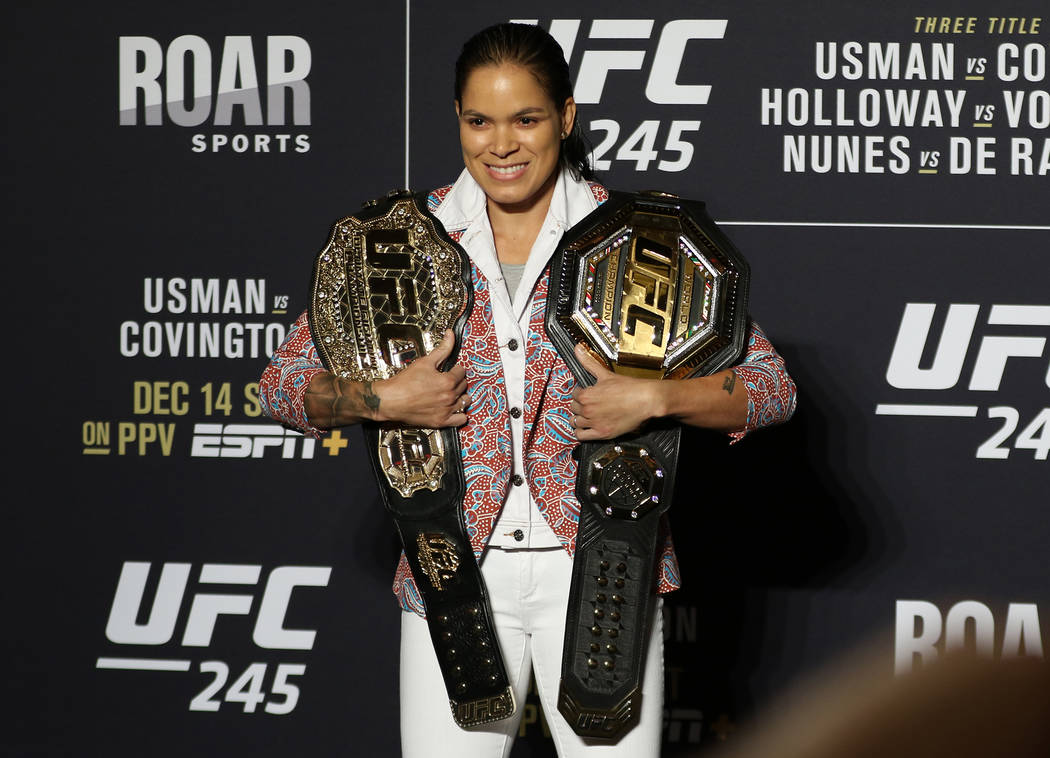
996	349
135	620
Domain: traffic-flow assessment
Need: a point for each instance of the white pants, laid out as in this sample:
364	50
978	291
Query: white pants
529	593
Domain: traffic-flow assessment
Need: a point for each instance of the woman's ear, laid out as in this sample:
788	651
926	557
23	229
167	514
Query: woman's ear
456	104
568	116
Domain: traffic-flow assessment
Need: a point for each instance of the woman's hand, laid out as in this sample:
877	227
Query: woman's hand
419	396
614	405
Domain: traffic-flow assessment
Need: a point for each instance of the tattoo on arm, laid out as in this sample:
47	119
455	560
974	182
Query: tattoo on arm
330	402
371	399
730	382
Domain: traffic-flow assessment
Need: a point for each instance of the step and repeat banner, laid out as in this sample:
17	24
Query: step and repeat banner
188	577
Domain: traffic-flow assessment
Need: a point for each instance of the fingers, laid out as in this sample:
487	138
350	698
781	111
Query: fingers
443	349
594	367
456	377
452	401
582	425
458	415
458	374
451	384
579	419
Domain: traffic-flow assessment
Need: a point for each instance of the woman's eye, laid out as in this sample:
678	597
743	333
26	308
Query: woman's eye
527	120
477	122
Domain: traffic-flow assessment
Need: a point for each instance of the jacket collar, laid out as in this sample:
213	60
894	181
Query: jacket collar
464	209
464	205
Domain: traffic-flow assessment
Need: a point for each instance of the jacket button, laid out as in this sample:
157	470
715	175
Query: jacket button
519	535
517	480
512	345
515	412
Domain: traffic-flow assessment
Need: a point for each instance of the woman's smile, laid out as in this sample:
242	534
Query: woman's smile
507	173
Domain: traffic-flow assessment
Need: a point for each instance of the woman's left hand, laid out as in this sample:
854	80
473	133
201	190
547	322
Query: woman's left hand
614	405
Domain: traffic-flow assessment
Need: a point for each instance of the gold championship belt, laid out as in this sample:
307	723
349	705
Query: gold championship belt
653	289
385	289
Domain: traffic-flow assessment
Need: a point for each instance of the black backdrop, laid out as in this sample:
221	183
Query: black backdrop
902	276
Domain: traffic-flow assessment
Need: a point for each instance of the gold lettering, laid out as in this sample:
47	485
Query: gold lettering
945	24
484	709
609	295
438	557
648	302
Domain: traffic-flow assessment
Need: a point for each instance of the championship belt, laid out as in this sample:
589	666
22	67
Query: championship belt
653	289
385	289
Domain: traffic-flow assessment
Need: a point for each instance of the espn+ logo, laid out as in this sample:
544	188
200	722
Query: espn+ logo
191	85
135	621
248	441
1008	338
612	47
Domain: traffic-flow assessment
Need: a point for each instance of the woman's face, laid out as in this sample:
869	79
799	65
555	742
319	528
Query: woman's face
510	131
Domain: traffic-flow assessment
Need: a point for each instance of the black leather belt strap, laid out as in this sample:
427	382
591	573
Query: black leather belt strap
623	487
386	287
442	561
652	288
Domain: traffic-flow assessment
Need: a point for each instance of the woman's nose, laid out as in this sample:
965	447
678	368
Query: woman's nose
504	141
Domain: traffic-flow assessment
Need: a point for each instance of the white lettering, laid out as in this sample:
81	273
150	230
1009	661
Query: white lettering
1022	631
142	61
200	104
908	644
293	79
207	607
969	626
132	79
247	441
904	371
663	87
238	65
992	355
122	627
269	625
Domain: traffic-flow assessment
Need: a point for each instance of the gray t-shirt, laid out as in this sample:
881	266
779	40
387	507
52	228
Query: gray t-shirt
512	276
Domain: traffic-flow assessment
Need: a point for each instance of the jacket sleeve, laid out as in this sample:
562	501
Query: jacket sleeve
284	382
771	392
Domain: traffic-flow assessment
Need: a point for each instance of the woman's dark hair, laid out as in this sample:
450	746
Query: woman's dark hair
532	48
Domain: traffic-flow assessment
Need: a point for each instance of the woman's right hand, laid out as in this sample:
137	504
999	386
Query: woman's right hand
423	396
418	396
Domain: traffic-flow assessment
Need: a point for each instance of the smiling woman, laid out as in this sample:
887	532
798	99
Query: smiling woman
511	133
518	408
516	128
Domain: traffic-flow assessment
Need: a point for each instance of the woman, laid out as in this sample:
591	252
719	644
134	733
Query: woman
524	184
